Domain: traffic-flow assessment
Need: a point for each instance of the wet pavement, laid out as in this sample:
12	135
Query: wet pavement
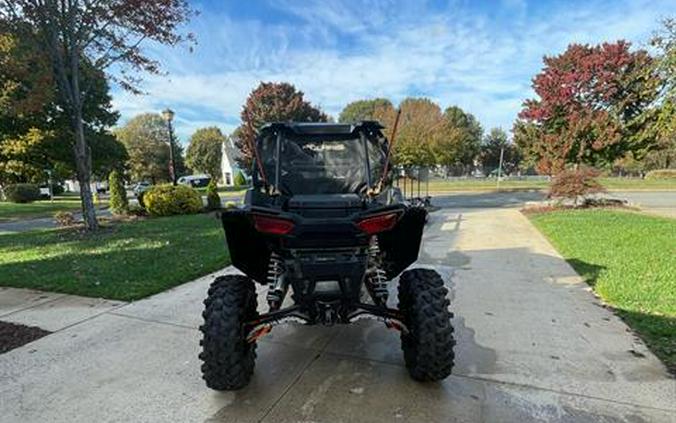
534	344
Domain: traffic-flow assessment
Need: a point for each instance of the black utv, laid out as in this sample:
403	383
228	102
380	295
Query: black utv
323	221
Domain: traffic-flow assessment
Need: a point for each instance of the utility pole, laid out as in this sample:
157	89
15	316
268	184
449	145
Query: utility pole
502	154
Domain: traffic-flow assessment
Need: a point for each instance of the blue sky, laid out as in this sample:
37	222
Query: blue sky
479	55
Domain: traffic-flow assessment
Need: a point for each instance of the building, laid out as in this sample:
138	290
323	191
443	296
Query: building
229	166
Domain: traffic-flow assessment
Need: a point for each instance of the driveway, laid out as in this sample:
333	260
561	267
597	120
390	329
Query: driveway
533	345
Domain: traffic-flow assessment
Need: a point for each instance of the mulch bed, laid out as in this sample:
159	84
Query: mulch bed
13	335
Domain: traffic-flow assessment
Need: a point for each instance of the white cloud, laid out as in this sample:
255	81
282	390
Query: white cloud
337	53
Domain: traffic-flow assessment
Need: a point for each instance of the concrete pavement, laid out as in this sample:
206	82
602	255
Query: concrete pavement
533	345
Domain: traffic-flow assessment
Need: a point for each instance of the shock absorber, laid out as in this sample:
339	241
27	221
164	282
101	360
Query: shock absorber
277	284
376	279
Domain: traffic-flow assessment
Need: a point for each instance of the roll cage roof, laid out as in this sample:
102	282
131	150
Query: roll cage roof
320	128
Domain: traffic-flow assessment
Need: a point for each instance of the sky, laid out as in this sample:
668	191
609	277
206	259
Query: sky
479	55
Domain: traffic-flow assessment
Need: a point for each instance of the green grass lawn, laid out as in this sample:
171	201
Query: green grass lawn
125	261
13	211
43	208
630	260
475	184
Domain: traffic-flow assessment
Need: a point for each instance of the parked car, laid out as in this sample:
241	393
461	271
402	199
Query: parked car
140	187
101	187
195	181
44	191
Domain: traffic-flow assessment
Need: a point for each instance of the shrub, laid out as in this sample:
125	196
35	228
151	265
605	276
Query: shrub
137	210
22	193
240	180
57	189
661	174
213	199
118	195
575	183
167	200
64	219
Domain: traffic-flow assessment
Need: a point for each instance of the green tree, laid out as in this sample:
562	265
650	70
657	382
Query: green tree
495	143
100	35
205	151
661	117
363	110
458	146
146	139
118	195
240	180
213	199
34	134
272	102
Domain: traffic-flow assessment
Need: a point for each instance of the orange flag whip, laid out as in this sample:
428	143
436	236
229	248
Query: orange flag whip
254	150
389	151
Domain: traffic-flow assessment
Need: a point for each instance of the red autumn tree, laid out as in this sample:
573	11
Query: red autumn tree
589	99
272	102
80	34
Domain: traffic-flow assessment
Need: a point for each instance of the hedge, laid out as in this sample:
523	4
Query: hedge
22	193
167	200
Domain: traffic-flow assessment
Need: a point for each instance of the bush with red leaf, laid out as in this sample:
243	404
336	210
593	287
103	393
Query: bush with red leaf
572	184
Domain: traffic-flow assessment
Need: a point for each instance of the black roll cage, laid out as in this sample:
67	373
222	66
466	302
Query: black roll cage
361	130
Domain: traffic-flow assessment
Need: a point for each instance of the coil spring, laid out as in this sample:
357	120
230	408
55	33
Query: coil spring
376	279
276	290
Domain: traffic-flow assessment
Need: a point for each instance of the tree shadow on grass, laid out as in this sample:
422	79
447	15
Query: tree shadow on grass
590	272
657	331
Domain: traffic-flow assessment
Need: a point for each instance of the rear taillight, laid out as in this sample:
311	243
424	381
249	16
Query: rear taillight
380	223
272	225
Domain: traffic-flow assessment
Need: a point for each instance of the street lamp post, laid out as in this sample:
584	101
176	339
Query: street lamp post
168	115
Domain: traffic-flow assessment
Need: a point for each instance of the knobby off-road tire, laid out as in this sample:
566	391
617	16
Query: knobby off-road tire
428	347
228	359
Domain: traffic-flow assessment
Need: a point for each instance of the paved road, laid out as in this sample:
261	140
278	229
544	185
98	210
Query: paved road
533	345
652	201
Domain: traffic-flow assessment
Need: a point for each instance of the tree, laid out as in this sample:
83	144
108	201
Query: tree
572	184
270	102
661	117
459	144
146	140
118	195
240	179
205	151
33	134
419	130
98	34
363	110
589	106
494	144
213	199
21	157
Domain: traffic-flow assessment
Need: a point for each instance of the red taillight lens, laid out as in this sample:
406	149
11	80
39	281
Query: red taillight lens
382	222
272	225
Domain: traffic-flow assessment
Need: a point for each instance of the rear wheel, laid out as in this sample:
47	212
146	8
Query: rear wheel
227	358
428	347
